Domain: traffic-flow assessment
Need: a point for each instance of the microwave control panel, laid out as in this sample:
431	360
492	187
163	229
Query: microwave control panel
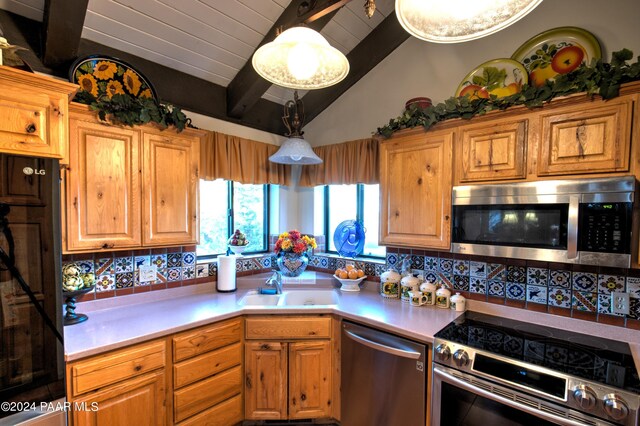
605	227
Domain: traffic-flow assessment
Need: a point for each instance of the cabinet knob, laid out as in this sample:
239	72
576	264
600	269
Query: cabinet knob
30	128
446	217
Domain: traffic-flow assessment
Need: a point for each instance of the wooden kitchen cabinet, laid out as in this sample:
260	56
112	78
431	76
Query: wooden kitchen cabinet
288	371
34	114
129	187
491	151
579	140
415	189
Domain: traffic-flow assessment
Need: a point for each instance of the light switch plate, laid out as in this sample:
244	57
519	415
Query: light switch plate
620	303
147	273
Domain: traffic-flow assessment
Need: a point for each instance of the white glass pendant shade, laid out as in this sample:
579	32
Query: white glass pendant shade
455	21
300	58
295	150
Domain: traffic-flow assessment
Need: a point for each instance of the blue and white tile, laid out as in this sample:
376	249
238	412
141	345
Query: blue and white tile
380	269
478	285
478	269
516	274
266	261
515	291
610	283
431	277
124	279
369	269
174	274
86	266
496	271
584	281
331	263
461	282
604	304
105	282
188	258
202	270
188	272
461	267
174	260
161	276
417	262
141	261
213	269
537	294
496	288
124	264
537	276
445	265
160	260
560	297
430	263
633	287
313	261
392	260
559	278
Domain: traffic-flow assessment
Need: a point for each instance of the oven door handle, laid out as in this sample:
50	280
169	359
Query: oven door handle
446	377
572	227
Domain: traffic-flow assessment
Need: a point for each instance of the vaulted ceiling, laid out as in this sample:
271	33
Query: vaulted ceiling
197	53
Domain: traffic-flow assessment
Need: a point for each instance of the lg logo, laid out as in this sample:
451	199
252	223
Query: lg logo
29	171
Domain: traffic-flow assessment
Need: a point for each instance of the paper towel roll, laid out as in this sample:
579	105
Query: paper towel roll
226	274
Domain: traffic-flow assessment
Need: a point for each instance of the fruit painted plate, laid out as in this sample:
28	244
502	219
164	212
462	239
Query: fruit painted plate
500	77
102	75
556	51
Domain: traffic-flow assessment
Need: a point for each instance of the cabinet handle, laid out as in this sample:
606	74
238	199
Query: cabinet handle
30	128
446	217
106	246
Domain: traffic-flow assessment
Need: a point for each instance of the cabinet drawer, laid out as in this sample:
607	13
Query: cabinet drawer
97	372
206	365
226	413
206	393
192	343
288	328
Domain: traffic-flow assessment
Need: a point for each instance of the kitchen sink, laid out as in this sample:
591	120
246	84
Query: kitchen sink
291	298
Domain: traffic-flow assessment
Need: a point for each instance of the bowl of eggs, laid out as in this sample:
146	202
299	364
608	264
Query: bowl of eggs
349	278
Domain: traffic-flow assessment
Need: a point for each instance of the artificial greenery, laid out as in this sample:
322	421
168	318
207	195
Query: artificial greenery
131	111
599	78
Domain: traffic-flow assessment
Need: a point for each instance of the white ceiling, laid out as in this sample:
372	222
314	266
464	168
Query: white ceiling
209	39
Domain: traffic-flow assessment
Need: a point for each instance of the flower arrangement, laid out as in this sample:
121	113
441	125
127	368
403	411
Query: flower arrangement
294	242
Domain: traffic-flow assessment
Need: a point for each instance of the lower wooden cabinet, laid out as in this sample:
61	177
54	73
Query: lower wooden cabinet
292	378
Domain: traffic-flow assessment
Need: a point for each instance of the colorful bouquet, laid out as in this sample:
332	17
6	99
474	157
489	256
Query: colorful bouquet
294	242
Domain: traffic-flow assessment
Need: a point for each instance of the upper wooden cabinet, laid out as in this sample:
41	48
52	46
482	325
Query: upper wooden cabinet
129	187
579	140
490	151
34	117
415	190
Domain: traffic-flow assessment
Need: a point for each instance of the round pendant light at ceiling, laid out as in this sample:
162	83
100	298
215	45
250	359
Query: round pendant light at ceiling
300	58
455	21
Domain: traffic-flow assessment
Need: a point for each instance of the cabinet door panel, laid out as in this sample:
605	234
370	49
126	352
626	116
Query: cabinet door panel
580	140
135	402
171	190
415	187
492	151
265	380
309	379
103	188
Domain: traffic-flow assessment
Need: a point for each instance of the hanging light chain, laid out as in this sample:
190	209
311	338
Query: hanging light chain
294	124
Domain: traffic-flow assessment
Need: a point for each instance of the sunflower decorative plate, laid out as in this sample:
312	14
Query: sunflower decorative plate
102	75
500	77
556	51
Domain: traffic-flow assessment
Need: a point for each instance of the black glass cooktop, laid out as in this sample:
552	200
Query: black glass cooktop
591	358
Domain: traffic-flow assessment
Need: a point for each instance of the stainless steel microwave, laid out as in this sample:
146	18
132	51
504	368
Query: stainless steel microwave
587	221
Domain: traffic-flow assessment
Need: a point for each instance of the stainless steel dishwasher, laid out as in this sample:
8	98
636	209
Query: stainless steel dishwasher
383	378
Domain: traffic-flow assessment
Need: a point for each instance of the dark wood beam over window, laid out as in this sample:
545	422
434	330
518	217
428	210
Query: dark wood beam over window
247	87
62	28
380	42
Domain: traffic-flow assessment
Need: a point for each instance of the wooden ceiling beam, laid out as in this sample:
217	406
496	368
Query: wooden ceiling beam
62	28
247	87
380	42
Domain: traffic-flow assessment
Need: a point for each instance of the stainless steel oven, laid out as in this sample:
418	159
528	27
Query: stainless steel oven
496	371
570	221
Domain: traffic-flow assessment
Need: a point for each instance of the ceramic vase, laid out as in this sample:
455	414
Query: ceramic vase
292	264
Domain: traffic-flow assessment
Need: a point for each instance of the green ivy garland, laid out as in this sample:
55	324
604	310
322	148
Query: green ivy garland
600	78
132	111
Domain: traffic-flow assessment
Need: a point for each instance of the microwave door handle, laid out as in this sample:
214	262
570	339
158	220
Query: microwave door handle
572	227
461	384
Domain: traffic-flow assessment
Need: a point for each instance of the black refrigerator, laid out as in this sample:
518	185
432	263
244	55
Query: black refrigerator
32	353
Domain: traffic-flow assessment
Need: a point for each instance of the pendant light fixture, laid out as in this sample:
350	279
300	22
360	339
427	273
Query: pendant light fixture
300	58
454	21
294	150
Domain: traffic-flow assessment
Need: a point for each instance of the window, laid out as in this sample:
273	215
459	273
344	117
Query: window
226	206
360	202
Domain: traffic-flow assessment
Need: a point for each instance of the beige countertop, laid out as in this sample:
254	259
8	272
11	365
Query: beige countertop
115	323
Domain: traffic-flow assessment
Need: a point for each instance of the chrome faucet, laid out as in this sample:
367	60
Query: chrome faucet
275	280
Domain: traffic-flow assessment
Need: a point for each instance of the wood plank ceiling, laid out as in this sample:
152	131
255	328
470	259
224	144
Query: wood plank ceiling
213	40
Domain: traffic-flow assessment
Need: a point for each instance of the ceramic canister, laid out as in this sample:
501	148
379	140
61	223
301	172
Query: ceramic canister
429	291
442	297
458	303
390	284
407	284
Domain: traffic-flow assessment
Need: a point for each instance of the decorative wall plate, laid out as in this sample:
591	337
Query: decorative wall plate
102	75
556	51
500	77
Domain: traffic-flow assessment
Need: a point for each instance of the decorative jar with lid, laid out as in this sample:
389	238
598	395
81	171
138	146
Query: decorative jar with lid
443	295
407	284
390	284
458	303
429	292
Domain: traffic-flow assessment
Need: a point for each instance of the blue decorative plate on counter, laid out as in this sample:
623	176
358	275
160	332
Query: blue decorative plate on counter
349	238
